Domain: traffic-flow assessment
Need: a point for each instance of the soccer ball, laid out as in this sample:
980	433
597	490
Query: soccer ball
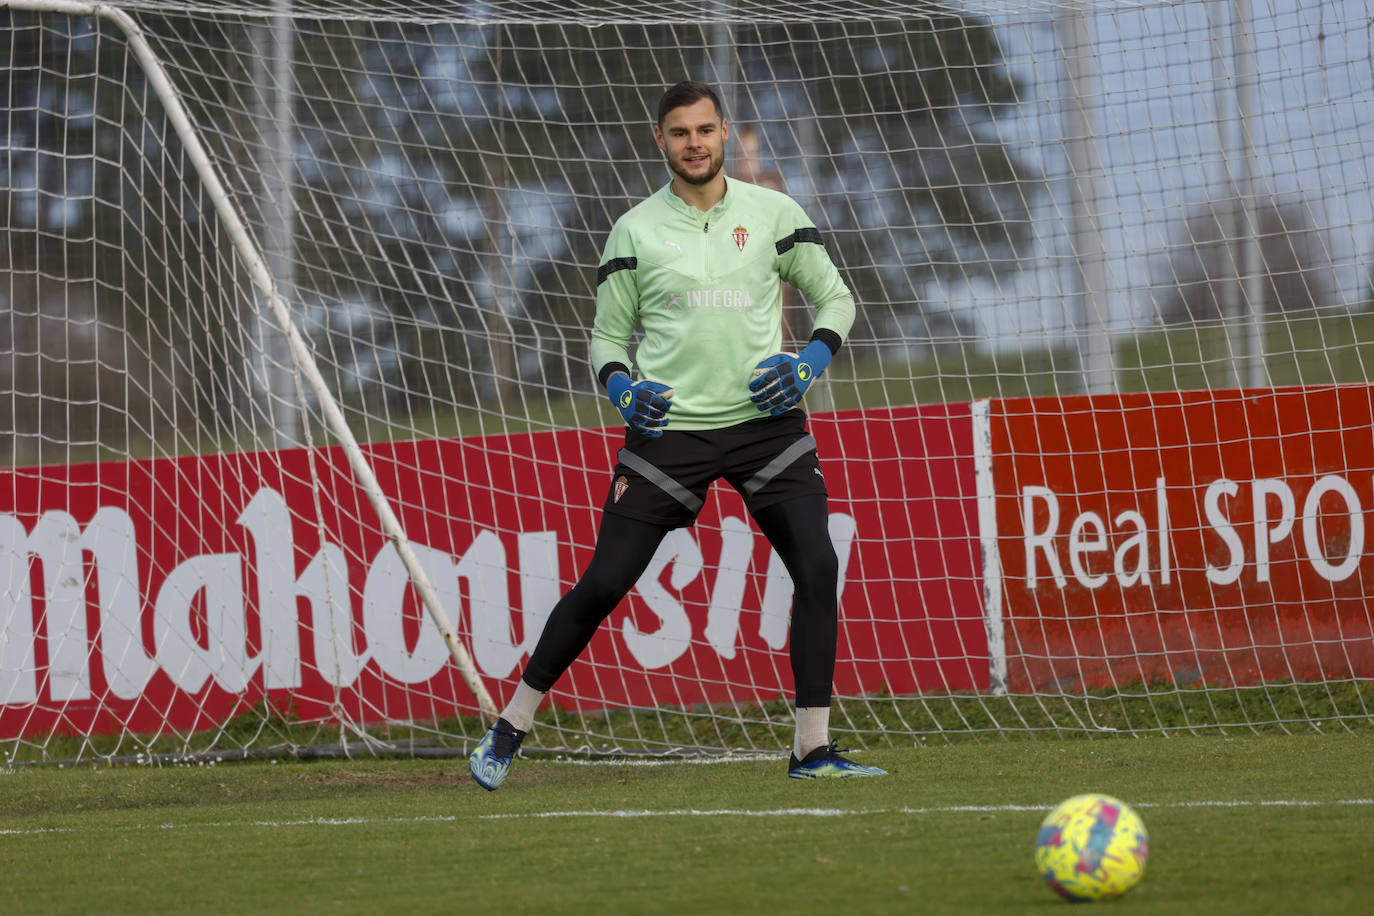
1092	847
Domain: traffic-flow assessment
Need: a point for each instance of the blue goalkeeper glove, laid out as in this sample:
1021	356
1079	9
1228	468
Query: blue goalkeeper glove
643	404
781	379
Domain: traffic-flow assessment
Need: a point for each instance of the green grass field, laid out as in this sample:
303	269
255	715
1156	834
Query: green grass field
1268	824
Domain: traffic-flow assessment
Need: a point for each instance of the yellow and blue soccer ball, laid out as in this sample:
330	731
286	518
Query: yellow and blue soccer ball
1092	847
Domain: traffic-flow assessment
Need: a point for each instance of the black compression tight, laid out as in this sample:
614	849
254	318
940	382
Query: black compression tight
624	547
796	529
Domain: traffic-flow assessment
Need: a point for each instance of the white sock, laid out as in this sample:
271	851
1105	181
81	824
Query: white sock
519	712
813	729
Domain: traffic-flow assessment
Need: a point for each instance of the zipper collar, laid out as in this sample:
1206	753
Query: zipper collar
705	219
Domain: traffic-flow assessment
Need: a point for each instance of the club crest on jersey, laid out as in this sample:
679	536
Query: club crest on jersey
740	235
621	485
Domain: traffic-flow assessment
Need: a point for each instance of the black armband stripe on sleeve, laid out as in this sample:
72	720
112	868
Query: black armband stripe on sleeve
832	341
609	370
614	264
811	234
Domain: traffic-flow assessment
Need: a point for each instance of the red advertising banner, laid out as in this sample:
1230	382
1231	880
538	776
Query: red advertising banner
179	592
1215	538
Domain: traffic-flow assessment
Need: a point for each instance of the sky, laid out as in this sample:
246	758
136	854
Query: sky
1165	128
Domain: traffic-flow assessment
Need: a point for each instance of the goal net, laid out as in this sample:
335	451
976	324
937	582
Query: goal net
301	442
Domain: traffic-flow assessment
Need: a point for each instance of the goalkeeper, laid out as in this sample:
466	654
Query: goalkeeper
700	265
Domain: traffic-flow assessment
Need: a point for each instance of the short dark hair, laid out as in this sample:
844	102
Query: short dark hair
687	92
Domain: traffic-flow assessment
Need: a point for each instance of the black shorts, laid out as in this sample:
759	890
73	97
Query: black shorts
768	460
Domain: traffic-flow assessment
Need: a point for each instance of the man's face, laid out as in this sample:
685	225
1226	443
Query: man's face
692	138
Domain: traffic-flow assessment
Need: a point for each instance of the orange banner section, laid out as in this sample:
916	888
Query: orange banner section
1218	538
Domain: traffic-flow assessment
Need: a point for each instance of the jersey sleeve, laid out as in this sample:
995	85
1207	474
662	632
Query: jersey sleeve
805	264
617	301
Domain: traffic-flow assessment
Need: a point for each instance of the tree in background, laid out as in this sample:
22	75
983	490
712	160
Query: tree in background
102	248
917	190
454	182
1201	274
477	167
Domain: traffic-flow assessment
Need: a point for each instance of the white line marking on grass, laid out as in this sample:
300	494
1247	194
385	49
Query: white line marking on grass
942	809
221	825
1278	803
696	812
667	761
646	813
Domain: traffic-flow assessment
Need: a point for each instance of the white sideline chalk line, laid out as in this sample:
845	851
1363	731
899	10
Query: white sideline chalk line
668	761
673	812
943	809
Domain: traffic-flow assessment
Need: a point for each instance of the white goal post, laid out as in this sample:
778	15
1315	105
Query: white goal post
301	445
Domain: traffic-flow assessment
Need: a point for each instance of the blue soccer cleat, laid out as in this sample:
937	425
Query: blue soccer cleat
825	762
490	761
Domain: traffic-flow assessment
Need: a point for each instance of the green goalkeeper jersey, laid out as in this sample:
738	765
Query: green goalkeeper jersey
707	290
